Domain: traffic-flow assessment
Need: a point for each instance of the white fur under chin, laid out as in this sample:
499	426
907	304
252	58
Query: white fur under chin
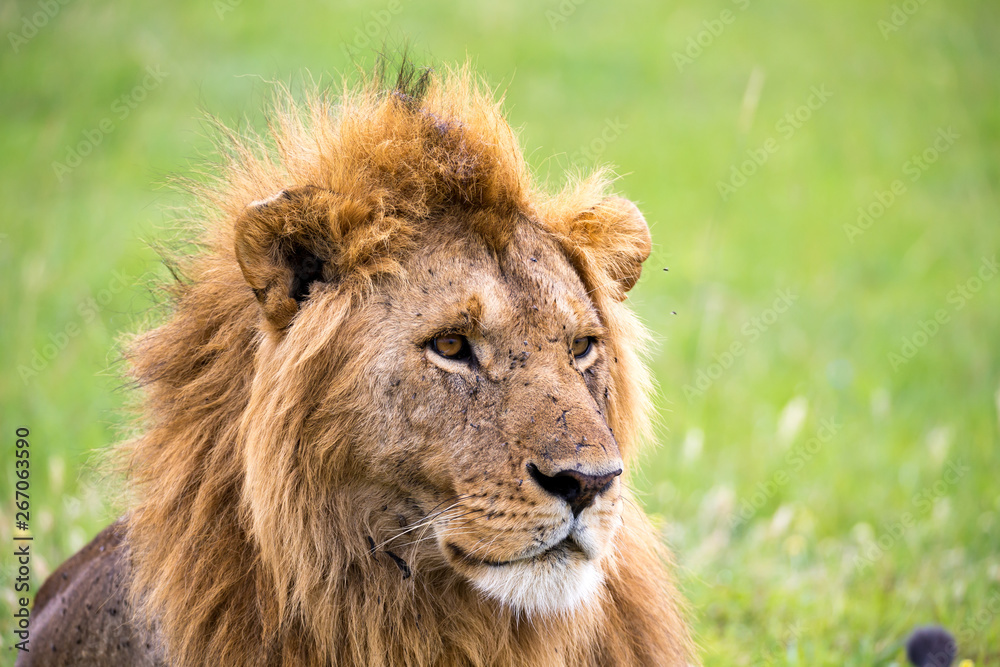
541	588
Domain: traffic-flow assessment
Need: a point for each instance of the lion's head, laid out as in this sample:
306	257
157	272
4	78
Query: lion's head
400	386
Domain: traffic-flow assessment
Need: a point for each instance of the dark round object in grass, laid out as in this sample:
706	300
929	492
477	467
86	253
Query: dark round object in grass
931	646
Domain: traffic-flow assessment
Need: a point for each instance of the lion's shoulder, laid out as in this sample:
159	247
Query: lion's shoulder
82	616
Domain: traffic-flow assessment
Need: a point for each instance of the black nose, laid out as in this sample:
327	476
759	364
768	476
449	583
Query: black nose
576	488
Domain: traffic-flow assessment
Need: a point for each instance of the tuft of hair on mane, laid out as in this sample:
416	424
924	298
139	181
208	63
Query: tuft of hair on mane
404	79
389	156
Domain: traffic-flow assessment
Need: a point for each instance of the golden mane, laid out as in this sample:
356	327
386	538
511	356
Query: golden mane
315	594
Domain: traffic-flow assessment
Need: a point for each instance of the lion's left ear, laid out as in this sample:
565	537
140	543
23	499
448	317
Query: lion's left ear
608	242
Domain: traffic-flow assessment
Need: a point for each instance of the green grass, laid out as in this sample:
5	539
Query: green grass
773	517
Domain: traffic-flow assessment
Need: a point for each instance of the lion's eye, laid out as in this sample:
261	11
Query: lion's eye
452	346
581	346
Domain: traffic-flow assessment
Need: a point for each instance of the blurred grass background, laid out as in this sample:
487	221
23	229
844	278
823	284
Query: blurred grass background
825	474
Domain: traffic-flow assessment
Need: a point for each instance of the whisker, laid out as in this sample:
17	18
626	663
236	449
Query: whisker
428	519
448	499
434	537
422	535
487	546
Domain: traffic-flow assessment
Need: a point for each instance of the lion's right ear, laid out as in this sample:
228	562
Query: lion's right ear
284	244
608	242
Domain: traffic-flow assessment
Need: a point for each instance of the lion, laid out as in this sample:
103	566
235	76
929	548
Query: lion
390	416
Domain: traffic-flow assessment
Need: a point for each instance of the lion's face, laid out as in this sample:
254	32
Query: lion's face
467	391
492	385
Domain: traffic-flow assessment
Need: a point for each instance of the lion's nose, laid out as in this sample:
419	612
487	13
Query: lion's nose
576	488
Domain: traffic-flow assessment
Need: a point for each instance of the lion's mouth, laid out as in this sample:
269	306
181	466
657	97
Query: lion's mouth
563	549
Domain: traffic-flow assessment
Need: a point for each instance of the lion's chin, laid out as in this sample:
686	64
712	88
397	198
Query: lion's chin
555	582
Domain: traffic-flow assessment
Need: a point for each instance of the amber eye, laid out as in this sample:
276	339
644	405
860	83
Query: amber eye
581	346
452	346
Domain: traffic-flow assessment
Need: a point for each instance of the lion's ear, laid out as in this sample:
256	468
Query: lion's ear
609	242
283	245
